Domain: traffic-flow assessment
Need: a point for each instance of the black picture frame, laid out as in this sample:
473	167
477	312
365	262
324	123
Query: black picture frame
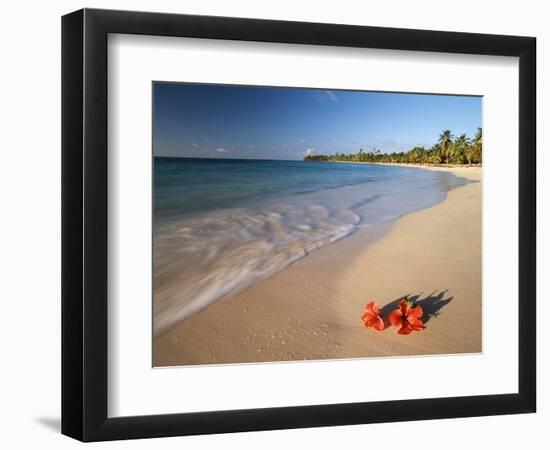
84	224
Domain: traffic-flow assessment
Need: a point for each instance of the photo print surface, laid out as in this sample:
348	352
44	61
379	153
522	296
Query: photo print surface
296	224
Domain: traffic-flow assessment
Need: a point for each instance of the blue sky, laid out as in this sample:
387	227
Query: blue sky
216	121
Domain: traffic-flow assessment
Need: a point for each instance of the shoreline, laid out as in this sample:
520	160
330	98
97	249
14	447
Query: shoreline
311	309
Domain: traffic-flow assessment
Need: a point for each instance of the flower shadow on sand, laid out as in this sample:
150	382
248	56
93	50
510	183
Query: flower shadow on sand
431	305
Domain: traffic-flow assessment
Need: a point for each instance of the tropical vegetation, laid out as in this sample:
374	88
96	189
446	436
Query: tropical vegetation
449	149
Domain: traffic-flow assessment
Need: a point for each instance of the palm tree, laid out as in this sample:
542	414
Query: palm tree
445	142
459	149
478	138
476	148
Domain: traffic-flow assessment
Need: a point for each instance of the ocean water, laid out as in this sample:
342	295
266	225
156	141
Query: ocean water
220	225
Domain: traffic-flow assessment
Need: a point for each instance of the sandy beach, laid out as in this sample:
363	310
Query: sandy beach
312	309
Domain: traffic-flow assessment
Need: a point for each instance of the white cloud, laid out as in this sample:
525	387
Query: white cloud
302	140
325	96
331	96
221	150
251	146
195	145
389	145
309	151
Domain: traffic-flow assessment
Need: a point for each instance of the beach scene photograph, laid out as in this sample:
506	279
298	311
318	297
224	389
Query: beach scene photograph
306	224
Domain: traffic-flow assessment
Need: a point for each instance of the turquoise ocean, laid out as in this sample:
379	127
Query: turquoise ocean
222	224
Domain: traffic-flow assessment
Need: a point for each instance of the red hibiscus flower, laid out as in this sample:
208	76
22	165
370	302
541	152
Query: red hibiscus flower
407	317
371	318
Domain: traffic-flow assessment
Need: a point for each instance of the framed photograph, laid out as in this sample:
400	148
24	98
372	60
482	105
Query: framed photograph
273	224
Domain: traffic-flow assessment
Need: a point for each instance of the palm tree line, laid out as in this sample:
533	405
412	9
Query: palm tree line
461	150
